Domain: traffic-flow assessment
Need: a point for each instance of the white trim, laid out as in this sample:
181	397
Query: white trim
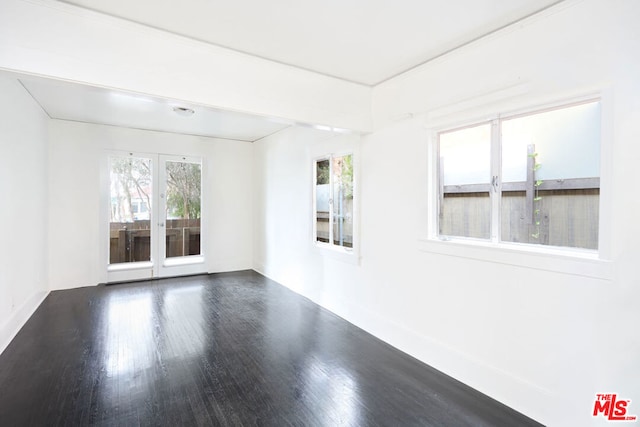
337	146
10	328
606	173
165	265
339	253
495	193
183	260
495	105
125	266
128	275
131	270
583	263
456	363
473	109
441	355
604	251
314	209
330	246
158	266
184	269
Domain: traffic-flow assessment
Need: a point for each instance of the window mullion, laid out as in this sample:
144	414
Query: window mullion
331	196
496	179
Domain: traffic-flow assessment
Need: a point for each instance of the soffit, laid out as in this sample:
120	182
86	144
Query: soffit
88	104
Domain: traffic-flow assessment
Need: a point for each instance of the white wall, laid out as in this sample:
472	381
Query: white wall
541	341
23	207
56	39
78	151
283	209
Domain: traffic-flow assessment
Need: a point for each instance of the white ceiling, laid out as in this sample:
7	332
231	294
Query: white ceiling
364	41
81	103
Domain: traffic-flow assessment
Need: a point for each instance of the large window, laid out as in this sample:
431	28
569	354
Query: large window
333	201
530	178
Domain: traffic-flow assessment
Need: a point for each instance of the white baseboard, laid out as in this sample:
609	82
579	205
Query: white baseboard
10	328
517	393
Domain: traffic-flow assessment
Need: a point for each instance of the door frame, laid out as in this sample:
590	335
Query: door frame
159	266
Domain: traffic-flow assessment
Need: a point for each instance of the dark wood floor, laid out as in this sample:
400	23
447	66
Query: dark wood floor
226	349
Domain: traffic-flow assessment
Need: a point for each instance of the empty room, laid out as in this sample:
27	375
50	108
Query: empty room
340	213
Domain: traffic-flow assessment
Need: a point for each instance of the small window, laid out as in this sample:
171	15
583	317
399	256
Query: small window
333	201
530	178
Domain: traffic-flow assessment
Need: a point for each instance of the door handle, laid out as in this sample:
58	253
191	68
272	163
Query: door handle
494	183
161	224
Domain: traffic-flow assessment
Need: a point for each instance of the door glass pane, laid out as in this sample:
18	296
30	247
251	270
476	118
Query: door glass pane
465	173
182	220
342	178
323	195
130	192
550	184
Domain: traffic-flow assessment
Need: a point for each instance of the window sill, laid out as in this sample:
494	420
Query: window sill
576	262
186	260
123	266
348	256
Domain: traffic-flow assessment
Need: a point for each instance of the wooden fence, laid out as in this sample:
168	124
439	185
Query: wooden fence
131	241
567	216
557	212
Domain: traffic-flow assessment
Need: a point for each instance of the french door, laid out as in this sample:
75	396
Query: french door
155	216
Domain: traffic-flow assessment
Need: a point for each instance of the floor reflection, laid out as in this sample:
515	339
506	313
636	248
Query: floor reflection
141	330
228	349
298	340
183	322
129	333
335	392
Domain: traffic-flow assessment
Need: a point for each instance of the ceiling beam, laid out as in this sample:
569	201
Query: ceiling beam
58	40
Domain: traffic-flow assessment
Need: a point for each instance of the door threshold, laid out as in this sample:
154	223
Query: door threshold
150	279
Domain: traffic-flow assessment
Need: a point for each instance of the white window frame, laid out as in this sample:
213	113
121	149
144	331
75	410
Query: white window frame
575	261
344	253
159	266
